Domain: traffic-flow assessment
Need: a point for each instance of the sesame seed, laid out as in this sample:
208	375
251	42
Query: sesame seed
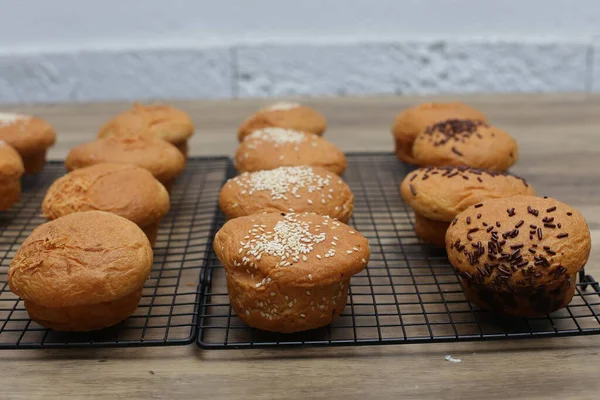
308	292
291	304
310	201
310	277
355	248
303	315
349	251
272	294
364	261
247	312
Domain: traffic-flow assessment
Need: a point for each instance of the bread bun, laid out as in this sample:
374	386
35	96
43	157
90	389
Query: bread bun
31	137
519	255
412	121
284	115
126	190
465	142
288	189
289	273
157	120
11	170
271	148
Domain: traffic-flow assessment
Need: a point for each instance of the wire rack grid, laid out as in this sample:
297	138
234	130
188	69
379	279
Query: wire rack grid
167	314
407	294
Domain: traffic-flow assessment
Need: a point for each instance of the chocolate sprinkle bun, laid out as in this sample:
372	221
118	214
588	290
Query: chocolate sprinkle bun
289	273
82	272
11	170
159	157
465	142
157	120
521	257
438	194
284	115
412	121
30	136
271	148
126	190
288	189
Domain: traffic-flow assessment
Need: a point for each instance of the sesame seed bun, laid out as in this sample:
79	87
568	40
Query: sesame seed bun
522	256
271	148
288	189
465	142
289	273
284	115
412	121
81	272
159	157
11	170
156	120
30	136
126	190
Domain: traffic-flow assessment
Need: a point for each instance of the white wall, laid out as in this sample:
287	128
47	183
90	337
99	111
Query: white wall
230	43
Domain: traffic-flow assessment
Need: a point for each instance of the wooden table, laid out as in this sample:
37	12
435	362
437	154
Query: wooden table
559	137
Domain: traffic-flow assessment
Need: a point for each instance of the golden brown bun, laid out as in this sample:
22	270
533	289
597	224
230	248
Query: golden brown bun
126	190
289	273
30	137
284	115
431	231
288	189
159	120
271	148
82	259
531	250
159	157
412	121
440	193
465	142
11	170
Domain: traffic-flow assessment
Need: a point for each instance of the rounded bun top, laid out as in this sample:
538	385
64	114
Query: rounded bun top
126	190
296	249
26	134
284	115
83	258
517	242
440	193
288	189
465	142
11	165
159	157
159	120
271	148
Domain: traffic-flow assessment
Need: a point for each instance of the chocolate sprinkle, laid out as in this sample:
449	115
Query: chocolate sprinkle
458	153
468	220
551	209
519	224
550	225
489	229
478	216
532	251
478	205
569	213
479	179
510	211
413	178
454	221
559	225
498	224
517	246
562	235
539	233
412	189
472	230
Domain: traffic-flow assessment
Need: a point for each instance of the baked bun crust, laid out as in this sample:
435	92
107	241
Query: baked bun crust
11	170
271	148
521	256
465	142
284	115
93	259
30	137
289	273
288	189
157	120
126	190
159	157
431	231
412	121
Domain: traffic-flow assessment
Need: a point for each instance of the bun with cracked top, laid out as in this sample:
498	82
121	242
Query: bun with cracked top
11	170
438	194
271	148
156	120
288	189
467	143
287	116
412	121
521	258
159	157
126	190
30	136
289	273
82	272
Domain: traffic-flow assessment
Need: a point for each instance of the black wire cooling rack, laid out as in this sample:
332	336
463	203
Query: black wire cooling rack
407	294
167	314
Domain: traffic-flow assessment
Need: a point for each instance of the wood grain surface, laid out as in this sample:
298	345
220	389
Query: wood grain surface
559	138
